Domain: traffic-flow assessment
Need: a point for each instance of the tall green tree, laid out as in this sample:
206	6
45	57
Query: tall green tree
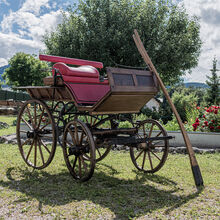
213	92
102	30
25	70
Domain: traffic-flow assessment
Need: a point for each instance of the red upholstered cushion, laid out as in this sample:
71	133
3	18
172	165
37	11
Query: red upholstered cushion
82	71
74	79
88	93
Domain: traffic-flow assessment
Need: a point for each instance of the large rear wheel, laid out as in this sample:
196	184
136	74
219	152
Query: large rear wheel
36	134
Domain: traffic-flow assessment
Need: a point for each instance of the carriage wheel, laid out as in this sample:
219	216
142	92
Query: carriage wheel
78	141
98	121
36	134
151	156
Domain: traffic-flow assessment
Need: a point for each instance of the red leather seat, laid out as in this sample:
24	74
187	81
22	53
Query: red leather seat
81	71
83	82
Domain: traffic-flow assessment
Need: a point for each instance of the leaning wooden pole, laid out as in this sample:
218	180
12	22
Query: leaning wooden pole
194	165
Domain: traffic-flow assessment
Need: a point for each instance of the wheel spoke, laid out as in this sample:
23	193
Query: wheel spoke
80	167
144	159
35	153
26	142
139	154
68	143
45	146
151	165
72	135
48	123
41	116
29	114
84	164
35	115
74	163
154	154
151	129
98	151
76	134
27	123
41	153
81	138
29	152
159	134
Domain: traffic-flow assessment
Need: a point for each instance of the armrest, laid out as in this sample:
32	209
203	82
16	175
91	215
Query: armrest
73	61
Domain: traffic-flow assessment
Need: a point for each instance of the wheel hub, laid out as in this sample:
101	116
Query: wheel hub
78	150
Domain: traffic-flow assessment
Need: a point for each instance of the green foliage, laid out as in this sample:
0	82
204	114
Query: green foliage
183	101
213	92
25	70
102	30
151	113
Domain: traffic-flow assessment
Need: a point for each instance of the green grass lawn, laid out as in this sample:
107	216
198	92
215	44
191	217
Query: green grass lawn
116	191
9	120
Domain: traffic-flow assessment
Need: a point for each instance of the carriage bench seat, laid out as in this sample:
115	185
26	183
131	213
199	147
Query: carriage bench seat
82	81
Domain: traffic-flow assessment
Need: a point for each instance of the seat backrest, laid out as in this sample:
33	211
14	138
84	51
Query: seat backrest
81	71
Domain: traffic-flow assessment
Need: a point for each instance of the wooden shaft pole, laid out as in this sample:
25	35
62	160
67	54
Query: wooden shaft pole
194	165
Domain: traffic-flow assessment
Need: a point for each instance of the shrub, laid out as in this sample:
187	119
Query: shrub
208	119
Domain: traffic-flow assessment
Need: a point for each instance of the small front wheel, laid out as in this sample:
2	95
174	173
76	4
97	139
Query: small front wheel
78	143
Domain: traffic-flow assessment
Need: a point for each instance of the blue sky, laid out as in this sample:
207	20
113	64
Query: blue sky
24	22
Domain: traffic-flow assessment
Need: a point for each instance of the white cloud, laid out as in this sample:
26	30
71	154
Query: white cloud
3	62
208	12
4	2
30	28
34	6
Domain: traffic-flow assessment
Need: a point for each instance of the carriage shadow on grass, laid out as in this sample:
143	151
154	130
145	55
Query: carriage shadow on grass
125	198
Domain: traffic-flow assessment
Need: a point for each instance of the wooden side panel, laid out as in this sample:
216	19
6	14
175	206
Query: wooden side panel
50	93
122	103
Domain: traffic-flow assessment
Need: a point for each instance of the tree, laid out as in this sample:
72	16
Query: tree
184	101
213	92
25	70
102	30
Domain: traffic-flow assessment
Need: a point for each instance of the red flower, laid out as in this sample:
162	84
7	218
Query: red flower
198	107
216	111
211	128
203	116
197	119
206	123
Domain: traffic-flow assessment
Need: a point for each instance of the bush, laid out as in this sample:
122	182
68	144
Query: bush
208	119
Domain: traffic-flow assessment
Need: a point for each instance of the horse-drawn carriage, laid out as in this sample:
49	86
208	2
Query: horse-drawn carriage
87	116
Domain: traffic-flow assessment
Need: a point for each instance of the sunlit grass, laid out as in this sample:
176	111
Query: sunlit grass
116	191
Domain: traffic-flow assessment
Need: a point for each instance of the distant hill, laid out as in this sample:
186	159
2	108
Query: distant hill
196	85
2	70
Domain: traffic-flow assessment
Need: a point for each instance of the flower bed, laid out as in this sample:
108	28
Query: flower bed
208	119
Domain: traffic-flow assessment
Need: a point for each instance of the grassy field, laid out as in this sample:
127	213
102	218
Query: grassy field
9	120
116	191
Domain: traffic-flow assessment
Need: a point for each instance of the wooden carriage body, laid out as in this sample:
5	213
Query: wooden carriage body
124	91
